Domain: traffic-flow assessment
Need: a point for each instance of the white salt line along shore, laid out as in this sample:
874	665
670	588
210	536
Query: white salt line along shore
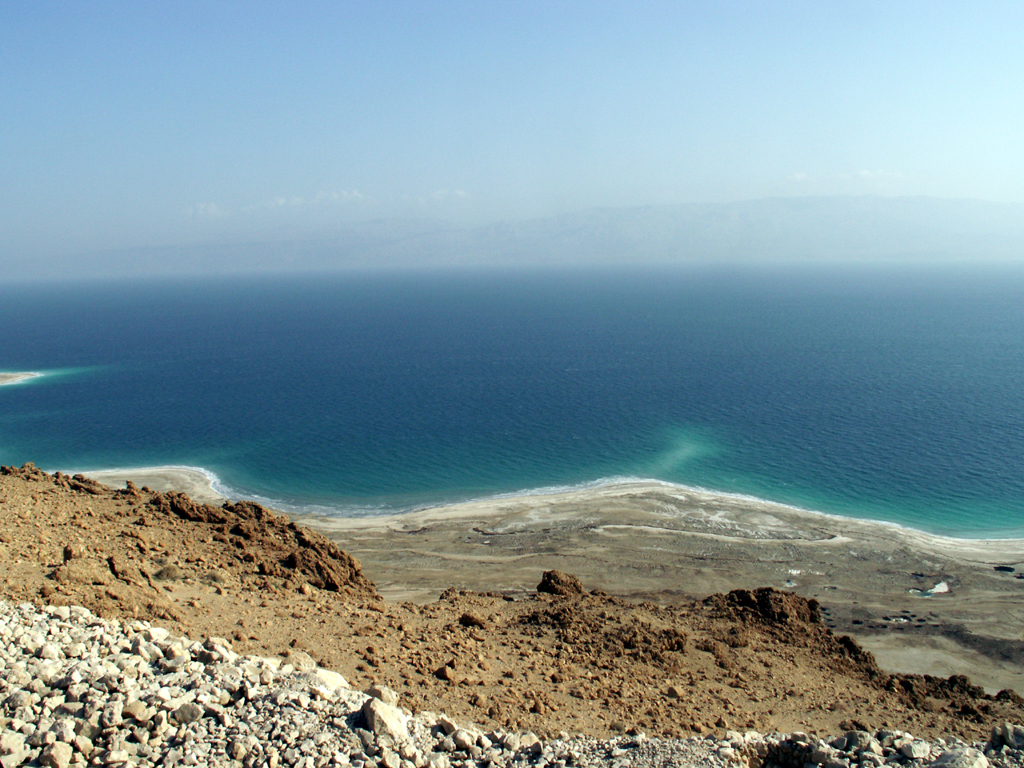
878	582
682	507
694	510
195	481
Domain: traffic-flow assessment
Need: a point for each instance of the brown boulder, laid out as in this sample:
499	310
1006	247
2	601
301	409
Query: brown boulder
558	583
767	606
28	471
472	619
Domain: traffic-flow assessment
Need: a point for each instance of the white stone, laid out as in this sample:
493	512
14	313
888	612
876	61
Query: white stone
14	759
961	758
331	679
56	755
1012	735
64	730
916	750
529	740
11	741
116	756
301	661
382	692
386	719
447	724
464	739
156	634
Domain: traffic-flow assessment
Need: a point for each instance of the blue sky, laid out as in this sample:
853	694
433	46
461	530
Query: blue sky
139	123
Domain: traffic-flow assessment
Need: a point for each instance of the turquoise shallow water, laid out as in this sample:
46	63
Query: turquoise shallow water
865	391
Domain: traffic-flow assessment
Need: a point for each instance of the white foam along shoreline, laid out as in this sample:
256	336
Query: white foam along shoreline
14	378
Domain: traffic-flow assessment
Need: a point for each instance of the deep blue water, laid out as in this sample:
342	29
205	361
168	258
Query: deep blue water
894	394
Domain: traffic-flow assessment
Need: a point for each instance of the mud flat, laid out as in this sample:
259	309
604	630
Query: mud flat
655	541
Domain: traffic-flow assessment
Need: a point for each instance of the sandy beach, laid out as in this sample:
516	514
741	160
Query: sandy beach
14	378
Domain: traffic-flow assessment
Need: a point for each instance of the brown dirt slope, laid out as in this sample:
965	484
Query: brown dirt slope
577	661
110	550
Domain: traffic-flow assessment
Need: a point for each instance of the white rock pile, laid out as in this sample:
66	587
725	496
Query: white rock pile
855	748
76	690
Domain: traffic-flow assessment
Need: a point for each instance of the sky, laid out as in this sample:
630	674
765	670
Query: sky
127	124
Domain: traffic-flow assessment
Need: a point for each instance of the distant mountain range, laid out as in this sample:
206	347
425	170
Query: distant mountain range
808	228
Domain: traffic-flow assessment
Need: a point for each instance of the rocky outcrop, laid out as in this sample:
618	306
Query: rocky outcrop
27	471
558	583
274	545
252	540
766	607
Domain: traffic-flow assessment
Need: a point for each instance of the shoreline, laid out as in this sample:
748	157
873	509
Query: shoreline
518	657
682	510
922	603
200	482
15	378
655	541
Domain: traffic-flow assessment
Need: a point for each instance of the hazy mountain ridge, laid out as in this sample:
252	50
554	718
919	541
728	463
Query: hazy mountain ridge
810	228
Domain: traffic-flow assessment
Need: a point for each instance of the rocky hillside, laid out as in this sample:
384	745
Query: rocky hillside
558	659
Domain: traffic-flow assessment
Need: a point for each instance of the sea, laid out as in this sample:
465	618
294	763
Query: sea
881	391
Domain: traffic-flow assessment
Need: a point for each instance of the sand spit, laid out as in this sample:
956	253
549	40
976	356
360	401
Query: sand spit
14	378
199	484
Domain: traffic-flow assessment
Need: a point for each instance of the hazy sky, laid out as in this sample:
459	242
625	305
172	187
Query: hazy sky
138	123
